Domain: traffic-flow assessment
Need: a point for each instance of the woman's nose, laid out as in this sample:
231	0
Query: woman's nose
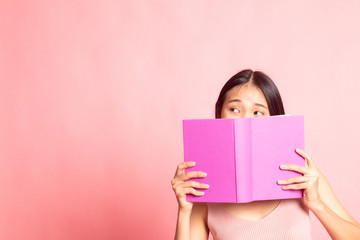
247	115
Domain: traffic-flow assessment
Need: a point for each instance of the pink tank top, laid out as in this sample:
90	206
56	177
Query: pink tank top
289	220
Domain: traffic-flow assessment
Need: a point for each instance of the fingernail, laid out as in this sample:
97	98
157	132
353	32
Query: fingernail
284	187
206	185
283	166
280	182
192	163
201	193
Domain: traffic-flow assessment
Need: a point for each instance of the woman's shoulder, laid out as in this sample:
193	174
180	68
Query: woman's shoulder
200	209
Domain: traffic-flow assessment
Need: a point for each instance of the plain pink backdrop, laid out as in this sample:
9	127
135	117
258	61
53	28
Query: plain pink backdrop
93	93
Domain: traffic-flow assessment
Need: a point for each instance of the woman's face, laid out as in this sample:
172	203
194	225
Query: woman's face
244	101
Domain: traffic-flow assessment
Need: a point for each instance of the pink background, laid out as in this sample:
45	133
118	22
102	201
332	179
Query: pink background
92	94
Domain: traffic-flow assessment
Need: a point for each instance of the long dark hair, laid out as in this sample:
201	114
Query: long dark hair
258	79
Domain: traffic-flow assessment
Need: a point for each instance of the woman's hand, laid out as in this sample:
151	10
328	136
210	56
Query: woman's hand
182	187
309	182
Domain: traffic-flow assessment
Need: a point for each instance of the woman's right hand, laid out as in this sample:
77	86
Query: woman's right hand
182	187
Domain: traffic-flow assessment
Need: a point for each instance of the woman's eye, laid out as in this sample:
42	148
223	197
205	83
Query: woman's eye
258	113
235	110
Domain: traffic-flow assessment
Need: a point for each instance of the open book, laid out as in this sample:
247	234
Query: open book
242	156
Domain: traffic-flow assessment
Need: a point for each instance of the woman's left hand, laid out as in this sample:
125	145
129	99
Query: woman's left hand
309	182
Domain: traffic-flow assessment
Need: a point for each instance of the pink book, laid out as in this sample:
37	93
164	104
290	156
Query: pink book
242	156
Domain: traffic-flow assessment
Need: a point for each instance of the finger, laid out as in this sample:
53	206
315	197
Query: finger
306	156
182	166
296	168
194	184
297	179
296	186
194	174
196	192
192	191
178	180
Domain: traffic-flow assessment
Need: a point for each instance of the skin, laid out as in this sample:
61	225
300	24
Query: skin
248	101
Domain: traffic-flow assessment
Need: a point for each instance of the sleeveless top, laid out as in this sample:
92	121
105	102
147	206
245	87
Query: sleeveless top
289	220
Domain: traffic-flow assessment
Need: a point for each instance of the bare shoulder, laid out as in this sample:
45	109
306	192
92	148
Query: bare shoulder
200	210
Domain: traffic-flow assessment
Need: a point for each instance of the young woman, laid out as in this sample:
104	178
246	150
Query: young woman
253	94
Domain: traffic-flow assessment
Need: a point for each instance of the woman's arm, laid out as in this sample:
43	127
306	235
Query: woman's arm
331	200
319	197
191	220
336	226
192	225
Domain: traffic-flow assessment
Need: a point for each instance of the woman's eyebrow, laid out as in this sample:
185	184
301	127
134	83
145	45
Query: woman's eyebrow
234	100
256	104
260	105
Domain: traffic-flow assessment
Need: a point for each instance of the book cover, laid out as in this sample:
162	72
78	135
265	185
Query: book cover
242	156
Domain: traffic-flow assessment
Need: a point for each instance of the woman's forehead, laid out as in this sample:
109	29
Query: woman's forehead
246	92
